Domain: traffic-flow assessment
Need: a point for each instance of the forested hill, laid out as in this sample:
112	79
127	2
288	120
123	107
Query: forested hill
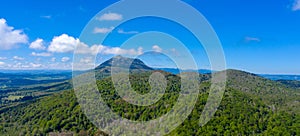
275	94
251	106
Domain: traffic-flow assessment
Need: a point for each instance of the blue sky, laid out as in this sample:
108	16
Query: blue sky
260	36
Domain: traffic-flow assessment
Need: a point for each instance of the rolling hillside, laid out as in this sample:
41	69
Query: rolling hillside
276	95
251	105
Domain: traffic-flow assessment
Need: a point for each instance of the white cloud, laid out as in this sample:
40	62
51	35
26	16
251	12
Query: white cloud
156	48
296	5
86	60
63	44
38	44
17	65
25	65
53	59
43	54
84	63
121	31
60	66
85	49
3	58
34	65
65	59
101	49
110	17
10	38
2	63
119	51
98	30
18	58
140	51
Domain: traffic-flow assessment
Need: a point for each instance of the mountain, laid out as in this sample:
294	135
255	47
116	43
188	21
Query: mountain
251	105
123	63
120	63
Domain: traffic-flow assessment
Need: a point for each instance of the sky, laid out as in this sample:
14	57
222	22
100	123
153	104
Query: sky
259	36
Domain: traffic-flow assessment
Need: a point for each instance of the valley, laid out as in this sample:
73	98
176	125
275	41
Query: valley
20	86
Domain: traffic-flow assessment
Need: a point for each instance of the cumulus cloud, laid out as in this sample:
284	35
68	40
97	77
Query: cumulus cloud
119	51
85	49
140	51
296	5
18	58
34	65
156	48
2	63
106	50
110	17
65	59
10	37
98	30
84	63
42	54
53	59
63	44
38	44
86	60
121	31
25	65
3	58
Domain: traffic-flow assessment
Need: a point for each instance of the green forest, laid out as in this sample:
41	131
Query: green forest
251	105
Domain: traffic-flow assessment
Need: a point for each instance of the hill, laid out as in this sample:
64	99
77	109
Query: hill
275	94
251	105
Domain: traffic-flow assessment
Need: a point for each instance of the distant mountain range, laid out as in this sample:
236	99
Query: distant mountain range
135	65
281	77
177	71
